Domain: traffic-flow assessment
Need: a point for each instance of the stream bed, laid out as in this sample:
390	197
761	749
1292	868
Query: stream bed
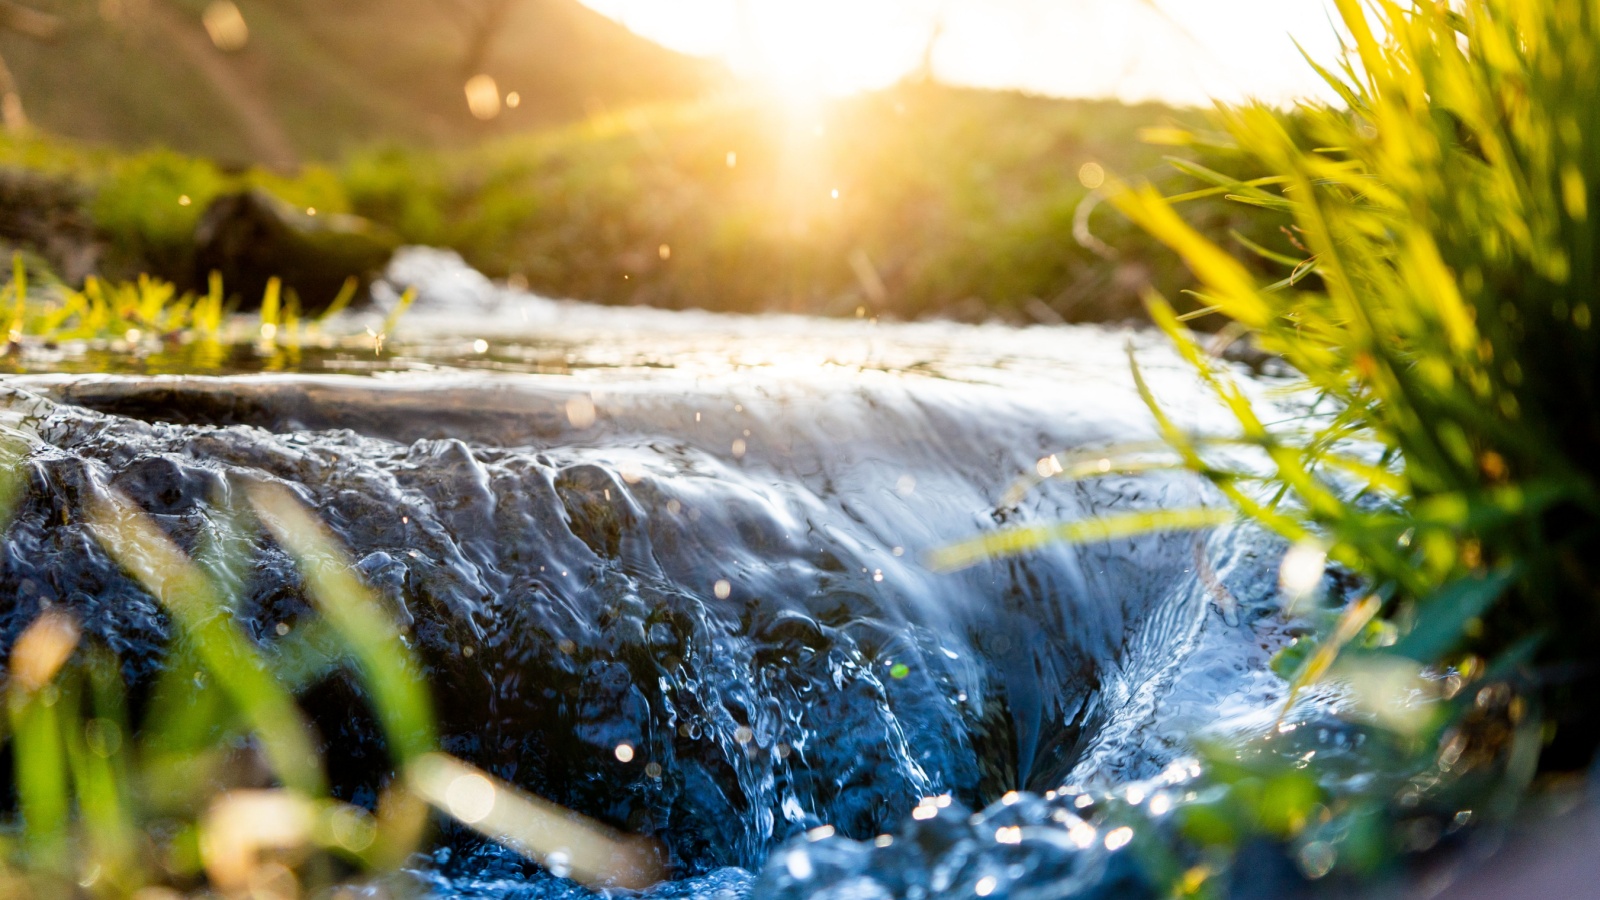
705	539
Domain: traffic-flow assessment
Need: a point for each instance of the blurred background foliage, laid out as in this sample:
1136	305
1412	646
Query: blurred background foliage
281	82
914	201
553	147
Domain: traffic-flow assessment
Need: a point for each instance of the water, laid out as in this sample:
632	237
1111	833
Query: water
706	538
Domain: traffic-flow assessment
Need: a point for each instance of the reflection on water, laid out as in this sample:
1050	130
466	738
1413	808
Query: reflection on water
668	570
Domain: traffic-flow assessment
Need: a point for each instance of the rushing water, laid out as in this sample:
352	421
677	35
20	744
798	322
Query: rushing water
705	538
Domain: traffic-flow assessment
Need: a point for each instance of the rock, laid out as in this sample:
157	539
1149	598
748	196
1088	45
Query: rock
253	236
46	215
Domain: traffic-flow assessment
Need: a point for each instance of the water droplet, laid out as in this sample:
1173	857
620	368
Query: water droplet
1317	859
559	862
722	589
470	797
580	411
798	862
738	448
483	97
1301	570
1117	838
819	833
906	485
985	886
883	840
225	25
653	769
899	670
480	346
1010	834
743	734
624	752
1081	833
282	628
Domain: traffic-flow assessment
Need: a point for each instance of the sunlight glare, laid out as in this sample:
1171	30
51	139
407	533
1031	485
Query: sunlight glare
1178	51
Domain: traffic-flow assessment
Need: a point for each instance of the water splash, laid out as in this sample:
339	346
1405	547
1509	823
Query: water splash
705	547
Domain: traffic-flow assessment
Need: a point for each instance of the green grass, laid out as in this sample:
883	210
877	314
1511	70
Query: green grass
1452	264
1436	295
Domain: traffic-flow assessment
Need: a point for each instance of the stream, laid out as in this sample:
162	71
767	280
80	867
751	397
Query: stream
705	538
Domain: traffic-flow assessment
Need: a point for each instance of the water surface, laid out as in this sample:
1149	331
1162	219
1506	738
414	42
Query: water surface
703	538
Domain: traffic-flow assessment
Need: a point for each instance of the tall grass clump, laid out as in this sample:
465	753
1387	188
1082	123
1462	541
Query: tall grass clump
1440	296
1437	304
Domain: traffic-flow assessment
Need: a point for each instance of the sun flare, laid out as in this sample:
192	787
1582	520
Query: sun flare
1181	51
802	51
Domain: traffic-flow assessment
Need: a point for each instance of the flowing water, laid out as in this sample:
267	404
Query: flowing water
705	539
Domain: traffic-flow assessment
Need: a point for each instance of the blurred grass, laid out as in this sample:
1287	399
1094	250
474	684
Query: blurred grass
949	201
219	783
216	786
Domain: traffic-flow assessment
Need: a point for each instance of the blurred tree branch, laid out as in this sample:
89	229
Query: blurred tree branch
40	26
482	19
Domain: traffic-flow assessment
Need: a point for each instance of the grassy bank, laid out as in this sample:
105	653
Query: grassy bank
920	200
